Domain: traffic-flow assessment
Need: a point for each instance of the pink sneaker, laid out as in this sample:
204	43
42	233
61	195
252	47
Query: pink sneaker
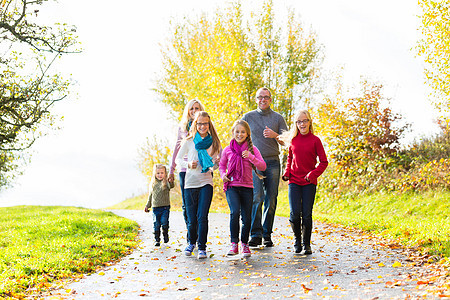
245	250
233	249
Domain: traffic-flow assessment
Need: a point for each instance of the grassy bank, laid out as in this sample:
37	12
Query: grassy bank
413	219
40	245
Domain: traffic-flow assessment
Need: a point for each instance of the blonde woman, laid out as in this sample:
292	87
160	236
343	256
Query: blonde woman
191	108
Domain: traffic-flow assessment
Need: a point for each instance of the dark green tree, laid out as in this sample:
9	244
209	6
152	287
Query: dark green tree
28	86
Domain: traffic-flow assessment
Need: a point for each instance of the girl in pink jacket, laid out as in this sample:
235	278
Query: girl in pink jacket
236	165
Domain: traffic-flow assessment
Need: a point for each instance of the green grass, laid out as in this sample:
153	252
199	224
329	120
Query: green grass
40	245
412	219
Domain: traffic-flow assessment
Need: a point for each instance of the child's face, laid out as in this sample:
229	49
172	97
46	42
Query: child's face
203	126
303	124
240	134
160	173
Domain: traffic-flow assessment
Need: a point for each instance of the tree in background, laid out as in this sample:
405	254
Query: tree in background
362	136
224	58
435	49
28	88
154	151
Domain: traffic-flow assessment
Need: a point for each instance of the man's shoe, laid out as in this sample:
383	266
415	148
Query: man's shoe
189	249
308	250
201	254
255	242
268	242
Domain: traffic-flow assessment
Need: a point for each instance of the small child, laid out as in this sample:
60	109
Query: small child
159	199
236	164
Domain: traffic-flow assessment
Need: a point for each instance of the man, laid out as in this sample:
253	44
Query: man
266	125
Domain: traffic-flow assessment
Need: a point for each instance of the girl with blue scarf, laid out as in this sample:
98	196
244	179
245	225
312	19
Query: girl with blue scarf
203	150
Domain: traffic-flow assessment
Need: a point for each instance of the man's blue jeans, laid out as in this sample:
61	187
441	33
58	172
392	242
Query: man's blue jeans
240	201
265	191
198	202
160	217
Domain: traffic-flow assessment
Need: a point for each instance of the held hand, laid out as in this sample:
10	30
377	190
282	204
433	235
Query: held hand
146	209
285	178
225	179
245	154
193	164
171	178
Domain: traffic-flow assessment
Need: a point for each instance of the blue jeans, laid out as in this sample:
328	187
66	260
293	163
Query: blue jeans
160	217
181	176
198	202
240	200
265	192
301	201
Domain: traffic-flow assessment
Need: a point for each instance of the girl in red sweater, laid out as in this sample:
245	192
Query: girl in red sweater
302	172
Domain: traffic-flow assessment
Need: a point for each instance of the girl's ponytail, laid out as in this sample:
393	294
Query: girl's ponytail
250	148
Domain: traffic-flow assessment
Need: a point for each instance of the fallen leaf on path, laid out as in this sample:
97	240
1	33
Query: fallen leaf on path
396	264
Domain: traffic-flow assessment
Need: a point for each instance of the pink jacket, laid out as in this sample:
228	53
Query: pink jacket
247	178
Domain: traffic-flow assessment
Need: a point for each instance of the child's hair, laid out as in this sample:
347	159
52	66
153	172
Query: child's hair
212	131
185	118
287	136
248	139
154	180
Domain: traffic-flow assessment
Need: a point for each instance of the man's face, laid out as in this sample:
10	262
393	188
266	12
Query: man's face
263	99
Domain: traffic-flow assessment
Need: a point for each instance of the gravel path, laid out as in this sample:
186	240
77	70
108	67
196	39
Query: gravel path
344	265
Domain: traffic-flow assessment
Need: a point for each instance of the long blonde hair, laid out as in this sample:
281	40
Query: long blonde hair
287	136
185	118
154	179
248	140
216	142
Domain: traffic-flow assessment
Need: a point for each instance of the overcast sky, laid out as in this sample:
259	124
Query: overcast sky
91	162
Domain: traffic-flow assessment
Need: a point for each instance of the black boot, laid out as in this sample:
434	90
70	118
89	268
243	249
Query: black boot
165	231
296	228
306	230
157	238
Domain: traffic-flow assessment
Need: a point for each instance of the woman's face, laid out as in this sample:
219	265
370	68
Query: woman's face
203	126
303	124
195	108
240	134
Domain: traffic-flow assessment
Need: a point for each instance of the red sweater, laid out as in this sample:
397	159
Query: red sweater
302	159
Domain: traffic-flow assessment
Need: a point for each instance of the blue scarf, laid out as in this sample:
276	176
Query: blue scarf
203	157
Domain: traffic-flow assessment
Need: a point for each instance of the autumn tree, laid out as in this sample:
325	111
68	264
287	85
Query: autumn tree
434	47
28	87
362	136
223	58
154	151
